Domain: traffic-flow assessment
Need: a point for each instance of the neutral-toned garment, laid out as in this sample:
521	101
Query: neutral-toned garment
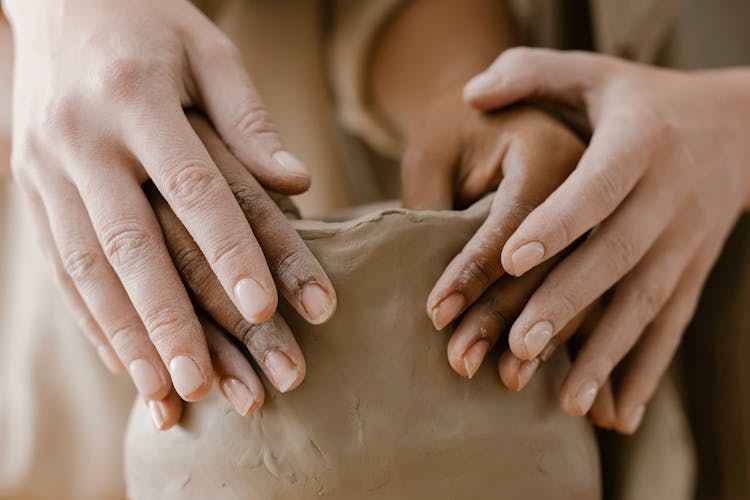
62	416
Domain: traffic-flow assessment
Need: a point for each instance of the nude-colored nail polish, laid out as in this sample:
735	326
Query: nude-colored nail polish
282	371
634	419
110	359
253	300
585	396
316	302
158	414
447	310
474	356
145	377
537	337
239	395
527	257
186	376
527	370
290	163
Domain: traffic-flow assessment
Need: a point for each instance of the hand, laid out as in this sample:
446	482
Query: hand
298	274
100	88
456	157
662	182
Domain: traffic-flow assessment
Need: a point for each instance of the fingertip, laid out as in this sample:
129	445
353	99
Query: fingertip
190	381
283	372
256	302
244	400
629	422
165	413
508	366
319	304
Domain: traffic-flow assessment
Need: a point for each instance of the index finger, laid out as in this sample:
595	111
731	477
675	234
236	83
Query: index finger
184	173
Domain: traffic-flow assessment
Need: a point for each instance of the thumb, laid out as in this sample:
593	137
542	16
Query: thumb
528	73
238	113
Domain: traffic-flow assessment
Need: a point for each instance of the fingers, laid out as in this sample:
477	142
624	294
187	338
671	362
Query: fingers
131	241
603	413
235	377
236	109
85	264
522	73
530	177
655	350
166	413
517	373
606	174
602	260
184	173
297	273
428	170
635	303
89	327
488	319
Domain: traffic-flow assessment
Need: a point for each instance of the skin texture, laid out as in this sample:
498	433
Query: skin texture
658	189
454	156
99	96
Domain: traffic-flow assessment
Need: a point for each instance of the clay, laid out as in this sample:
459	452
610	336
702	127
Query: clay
381	415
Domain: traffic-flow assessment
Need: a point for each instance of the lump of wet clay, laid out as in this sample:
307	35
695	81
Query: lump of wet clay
380	415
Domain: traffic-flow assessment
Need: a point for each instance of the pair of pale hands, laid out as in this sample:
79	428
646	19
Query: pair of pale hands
643	213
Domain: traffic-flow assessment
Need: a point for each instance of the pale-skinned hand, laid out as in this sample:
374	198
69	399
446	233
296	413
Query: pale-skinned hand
662	182
100	88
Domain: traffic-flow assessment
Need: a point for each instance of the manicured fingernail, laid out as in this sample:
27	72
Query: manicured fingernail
526	257
527	370
316	302
282	371
146	377
537	338
473	357
238	393
585	396
290	163
547	353
158	412
479	84
633	421
110	359
186	376
253	300
447	310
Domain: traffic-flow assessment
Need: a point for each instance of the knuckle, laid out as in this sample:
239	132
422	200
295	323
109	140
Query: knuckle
221	50
189	184
609	188
290	267
126	242
250	200
123	77
481	270
569	303
254	120
649	298
192	266
120	335
79	263
620	253
61	116
230	250
168	323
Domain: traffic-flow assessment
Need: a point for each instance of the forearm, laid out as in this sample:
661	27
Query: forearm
431	46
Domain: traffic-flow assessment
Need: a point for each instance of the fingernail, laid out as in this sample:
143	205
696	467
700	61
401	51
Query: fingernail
536	338
146	377
547	353
474	356
186	376
158	412
527	370
633	420
110	359
478	84
290	163
253	300
585	396
282	371
526	257
316	302
240	396
447	310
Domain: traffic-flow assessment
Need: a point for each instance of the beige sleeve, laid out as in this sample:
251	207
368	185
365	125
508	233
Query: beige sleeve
355	28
